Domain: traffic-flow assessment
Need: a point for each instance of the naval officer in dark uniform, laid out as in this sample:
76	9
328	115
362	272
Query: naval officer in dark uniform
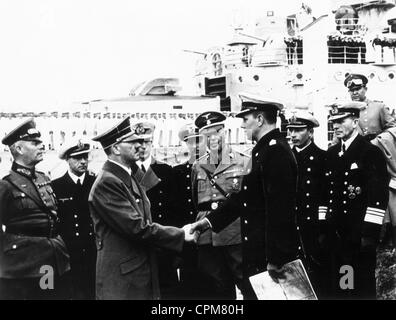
76	227
267	200
33	256
158	180
194	285
310	192
357	196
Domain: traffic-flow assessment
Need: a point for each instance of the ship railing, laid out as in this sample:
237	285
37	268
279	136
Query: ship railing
347	54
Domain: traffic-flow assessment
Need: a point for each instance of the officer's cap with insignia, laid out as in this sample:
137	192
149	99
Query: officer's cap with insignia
144	129
355	81
209	119
253	102
26	131
302	119
188	131
344	110
121	132
74	148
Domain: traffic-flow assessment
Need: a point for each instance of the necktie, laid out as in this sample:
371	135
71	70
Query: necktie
343	148
143	168
79	183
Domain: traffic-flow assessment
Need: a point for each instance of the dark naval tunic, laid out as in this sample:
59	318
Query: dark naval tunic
76	229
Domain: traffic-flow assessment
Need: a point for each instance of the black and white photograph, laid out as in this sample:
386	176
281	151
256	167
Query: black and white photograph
211	152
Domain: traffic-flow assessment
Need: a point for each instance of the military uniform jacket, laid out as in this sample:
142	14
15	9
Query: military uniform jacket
76	227
375	118
228	175
159	184
185	210
310	193
28	212
357	191
126	265
386	141
266	204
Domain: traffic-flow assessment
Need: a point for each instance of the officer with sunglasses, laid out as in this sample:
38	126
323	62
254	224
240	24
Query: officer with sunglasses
375	117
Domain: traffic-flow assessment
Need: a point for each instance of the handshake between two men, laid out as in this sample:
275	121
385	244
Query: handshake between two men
192	231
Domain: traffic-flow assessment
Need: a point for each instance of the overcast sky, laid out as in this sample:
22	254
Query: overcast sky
56	52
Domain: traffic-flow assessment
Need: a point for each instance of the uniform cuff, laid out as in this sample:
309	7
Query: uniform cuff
208	222
322	212
374	215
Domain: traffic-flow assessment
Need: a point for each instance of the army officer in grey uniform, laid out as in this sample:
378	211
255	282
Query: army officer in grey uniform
31	247
215	176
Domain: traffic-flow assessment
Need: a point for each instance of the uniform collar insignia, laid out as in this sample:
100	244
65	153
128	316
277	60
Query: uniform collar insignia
30	173
272	142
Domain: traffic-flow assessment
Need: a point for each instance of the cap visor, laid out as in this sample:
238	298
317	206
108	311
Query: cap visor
79	153
134	137
297	126
338	117
216	124
194	136
243	113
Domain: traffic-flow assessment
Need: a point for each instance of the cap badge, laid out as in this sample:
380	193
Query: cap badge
80	145
139	129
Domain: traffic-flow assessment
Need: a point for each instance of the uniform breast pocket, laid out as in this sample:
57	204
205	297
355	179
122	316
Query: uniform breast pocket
201	184
22	201
234	182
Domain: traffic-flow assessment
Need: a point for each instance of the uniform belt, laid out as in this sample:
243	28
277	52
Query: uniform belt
207	206
32	232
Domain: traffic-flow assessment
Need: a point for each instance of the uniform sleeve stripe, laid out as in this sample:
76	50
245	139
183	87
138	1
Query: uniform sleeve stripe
323	207
373	219
371	209
375	213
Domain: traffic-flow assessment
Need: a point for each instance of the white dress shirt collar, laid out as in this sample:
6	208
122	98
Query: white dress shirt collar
146	163
75	178
350	140
301	149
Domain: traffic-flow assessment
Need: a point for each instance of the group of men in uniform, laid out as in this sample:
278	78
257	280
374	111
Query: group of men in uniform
144	230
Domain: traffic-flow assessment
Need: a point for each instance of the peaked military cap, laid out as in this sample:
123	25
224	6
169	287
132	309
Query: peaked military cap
74	148
209	119
253	102
188	131
345	110
26	131
144	129
355	81
121	132
302	119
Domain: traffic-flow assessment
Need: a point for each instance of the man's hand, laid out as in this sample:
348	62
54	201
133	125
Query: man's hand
275	272
198	227
188	235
